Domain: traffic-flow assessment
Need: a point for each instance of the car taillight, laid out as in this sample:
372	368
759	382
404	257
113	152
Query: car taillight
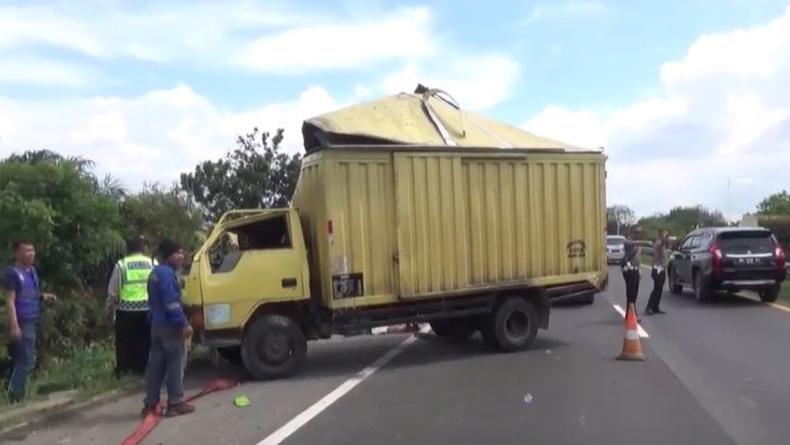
780	257
716	256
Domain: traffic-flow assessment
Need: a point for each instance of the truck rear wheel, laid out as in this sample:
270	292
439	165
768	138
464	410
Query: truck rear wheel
454	329
274	346
512	326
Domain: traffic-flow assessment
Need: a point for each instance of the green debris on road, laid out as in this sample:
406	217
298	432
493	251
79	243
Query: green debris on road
241	401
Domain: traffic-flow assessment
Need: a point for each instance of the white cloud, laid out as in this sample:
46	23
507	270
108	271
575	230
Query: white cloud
269	38
476	81
153	137
570	9
347	44
105	30
723	115
37	71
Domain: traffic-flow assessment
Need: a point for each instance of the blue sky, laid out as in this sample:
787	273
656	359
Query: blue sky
685	96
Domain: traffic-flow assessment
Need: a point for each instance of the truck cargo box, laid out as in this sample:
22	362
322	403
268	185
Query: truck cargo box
407	198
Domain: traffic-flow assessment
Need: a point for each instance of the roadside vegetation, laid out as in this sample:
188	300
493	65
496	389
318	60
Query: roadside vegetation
78	223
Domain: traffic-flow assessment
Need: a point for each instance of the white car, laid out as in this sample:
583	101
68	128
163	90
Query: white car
615	248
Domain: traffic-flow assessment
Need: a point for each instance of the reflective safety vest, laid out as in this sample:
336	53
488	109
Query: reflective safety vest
133	295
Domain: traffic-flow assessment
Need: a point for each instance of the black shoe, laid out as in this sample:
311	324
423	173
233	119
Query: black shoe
659	311
650	311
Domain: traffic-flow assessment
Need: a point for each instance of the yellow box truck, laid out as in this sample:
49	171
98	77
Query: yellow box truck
406	210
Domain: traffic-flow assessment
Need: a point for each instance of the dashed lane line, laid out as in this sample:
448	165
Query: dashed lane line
642	333
315	409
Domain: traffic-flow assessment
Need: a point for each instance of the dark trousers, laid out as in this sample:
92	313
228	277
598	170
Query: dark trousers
166	365
132	342
658	289
23	355
631	286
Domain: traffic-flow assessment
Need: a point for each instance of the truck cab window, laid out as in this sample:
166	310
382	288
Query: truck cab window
271	233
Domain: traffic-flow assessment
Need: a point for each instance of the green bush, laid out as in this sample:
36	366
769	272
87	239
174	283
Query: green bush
73	323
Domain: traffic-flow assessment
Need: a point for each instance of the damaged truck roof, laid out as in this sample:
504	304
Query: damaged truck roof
428	118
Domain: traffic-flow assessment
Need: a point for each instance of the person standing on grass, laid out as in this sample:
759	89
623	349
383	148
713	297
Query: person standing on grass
170	332
630	265
23	308
127	303
658	273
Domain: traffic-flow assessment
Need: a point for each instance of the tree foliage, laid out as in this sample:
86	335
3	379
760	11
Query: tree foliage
157	212
618	218
256	174
682	220
61	206
775	205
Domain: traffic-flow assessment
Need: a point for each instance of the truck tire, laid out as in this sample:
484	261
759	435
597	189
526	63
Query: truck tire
274	346
512	326
231	354
702	291
675	288
769	295
454	329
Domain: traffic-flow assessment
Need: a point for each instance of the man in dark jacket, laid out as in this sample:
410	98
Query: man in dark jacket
170	332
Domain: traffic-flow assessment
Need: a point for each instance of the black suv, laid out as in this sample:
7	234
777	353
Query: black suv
728	259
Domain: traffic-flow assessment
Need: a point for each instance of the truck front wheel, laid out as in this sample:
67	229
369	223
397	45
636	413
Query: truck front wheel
512	326
274	346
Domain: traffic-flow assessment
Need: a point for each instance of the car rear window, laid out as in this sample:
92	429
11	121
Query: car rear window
746	241
615	241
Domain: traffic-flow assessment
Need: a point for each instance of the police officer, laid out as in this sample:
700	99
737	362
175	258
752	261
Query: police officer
128	302
630	266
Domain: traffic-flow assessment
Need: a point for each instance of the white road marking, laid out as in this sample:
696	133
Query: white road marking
307	415
642	333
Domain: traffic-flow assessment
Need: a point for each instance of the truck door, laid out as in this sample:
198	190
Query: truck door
257	259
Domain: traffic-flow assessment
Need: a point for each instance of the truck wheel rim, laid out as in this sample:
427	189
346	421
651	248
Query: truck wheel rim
276	347
517	324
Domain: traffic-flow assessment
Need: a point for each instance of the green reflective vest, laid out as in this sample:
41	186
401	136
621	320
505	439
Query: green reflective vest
134	280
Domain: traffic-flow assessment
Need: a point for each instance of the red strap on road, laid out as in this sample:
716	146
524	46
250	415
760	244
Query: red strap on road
152	419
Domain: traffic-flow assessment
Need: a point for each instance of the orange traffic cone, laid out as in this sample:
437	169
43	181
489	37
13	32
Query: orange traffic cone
632	346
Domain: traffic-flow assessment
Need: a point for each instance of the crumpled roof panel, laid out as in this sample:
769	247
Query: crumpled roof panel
419	120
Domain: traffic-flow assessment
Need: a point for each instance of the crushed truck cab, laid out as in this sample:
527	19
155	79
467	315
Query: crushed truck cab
472	229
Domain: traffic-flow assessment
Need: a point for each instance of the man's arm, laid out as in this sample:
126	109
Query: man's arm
113	289
9	286
171	298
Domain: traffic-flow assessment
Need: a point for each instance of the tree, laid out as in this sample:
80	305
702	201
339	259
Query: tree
619	217
157	212
254	175
65	210
776	204
682	220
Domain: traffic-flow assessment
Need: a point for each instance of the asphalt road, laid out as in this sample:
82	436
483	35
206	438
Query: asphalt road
716	374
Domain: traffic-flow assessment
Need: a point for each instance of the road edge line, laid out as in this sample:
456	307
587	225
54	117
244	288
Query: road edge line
642	333
325	402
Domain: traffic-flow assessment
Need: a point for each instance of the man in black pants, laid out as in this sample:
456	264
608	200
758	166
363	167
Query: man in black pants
659	274
630	266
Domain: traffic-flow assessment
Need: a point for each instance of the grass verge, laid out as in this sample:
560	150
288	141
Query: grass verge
87	370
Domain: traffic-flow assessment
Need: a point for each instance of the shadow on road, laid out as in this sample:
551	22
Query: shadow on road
719	300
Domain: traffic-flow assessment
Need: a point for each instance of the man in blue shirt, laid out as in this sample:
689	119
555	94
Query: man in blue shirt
170	332
23	308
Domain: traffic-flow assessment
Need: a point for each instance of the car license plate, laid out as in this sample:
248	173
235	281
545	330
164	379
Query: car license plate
748	261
